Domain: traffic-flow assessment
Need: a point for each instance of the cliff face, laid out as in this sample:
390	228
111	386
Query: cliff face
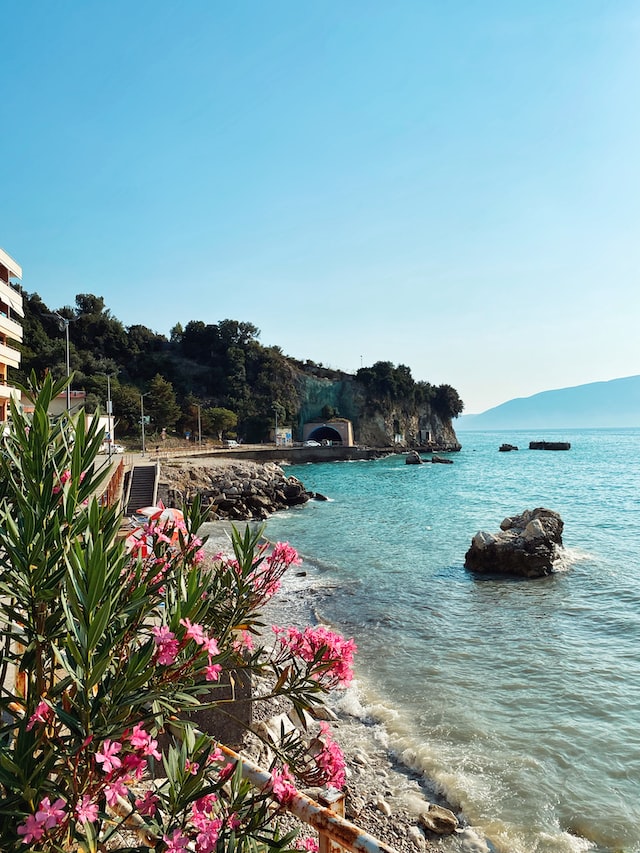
399	423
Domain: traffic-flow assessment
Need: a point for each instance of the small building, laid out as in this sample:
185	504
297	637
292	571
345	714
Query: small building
11	308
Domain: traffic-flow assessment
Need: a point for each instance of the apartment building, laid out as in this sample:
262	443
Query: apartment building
10	329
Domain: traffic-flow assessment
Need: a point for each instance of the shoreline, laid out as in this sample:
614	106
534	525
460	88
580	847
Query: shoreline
384	797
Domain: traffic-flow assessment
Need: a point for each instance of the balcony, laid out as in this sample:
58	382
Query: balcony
10	328
9	356
8	391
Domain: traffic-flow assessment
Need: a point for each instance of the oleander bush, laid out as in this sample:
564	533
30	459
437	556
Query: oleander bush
107	647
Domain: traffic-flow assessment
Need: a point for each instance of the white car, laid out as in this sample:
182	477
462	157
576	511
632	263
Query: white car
115	448
312	443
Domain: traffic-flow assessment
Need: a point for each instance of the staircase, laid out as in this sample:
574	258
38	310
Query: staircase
141	489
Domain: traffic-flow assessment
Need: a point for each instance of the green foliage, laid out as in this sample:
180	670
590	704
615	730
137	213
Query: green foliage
446	402
161	404
386	383
219	420
221	365
104	647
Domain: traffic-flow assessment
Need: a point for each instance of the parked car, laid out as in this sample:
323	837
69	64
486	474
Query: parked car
230	442
312	443
118	448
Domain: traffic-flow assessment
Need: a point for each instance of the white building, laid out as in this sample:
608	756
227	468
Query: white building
10	329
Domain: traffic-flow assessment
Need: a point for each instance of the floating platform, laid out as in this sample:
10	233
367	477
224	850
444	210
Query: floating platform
549	445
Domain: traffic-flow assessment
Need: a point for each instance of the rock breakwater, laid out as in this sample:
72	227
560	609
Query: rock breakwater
231	488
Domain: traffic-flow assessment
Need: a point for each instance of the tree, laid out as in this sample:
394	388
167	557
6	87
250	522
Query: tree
161	404
447	403
219	420
126	408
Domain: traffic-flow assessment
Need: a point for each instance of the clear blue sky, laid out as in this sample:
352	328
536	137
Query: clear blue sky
454	186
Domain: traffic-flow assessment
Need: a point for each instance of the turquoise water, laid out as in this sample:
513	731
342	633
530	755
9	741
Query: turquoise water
520	699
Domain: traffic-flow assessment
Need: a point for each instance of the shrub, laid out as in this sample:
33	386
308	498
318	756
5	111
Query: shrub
105	651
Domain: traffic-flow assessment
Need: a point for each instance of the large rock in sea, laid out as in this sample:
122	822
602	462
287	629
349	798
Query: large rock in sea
527	546
413	458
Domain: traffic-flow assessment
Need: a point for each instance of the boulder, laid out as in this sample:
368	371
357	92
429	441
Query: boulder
442	460
439	820
414	458
527	546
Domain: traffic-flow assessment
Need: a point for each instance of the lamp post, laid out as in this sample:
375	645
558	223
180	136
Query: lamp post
64	324
275	435
109	415
199	427
142	396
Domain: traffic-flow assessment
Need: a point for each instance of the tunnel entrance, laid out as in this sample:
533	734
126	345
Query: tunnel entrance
325	433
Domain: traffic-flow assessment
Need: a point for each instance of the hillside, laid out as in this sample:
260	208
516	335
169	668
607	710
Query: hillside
218	379
598	404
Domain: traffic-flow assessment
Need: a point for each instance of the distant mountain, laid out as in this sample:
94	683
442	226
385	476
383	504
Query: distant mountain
599	404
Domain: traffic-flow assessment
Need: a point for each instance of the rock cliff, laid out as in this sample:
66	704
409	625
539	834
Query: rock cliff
375	423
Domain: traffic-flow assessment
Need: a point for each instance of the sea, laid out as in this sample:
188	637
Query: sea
516	700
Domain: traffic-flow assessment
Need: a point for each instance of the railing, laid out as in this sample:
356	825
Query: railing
335	833
113	491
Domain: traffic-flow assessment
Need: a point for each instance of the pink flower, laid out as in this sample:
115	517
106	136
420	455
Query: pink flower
329	653
86	810
50	815
64	479
282	785
177	843
133	767
208	835
243	641
194	632
151	749
217	755
167	645
202	806
227	771
42	714
212	671
114	790
191	767
308	844
330	759
31	829
148	804
211	646
139	738
108	757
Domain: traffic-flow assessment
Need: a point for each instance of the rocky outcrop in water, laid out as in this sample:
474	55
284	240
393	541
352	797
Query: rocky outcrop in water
232	489
527	546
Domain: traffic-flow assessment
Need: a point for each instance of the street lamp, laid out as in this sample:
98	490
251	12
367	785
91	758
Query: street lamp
142	396
199	428
275	409
109	415
64	324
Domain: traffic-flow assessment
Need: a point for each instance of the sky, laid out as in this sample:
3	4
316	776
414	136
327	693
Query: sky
453	186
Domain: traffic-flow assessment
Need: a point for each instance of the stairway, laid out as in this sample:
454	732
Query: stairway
141	489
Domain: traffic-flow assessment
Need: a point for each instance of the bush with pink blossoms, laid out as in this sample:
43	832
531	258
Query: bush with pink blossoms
105	651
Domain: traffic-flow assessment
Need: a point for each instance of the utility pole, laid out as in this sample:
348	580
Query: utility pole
199	428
